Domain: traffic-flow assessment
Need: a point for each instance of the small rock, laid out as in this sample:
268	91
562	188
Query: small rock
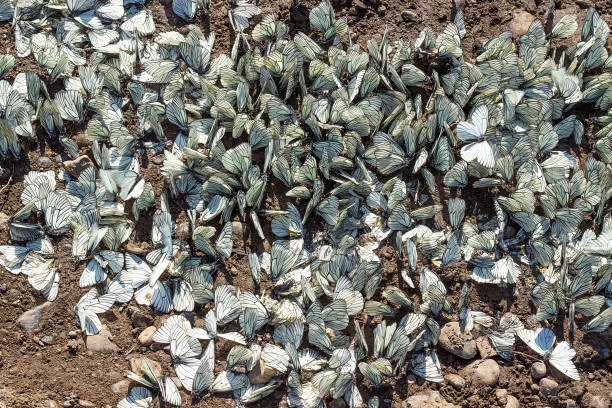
58	159
569	404
135	366
86	404
140	248
337	403
121	387
238	228
67	404
73	334
30	319
82	140
158	160
261	374
3	288
411	379
538	370
182	231
484	347
590	400
50	404
410	16
534	387
48	340
428	399
521	22
146	336
484	372
76	166
455	380
501	395
455	342
139	318
44	162
532	323
359	5
548	387
512	402
101	342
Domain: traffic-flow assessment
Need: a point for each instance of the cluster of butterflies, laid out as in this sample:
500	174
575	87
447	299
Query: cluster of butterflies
500	127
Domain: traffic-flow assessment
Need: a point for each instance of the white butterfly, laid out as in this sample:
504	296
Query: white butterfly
541	341
139	397
89	306
479	150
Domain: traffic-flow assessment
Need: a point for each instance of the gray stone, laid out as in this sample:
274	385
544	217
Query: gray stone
29	320
410	16
548	387
44	162
121	387
428	399
76	166
455	342
67	404
538	370
3	288
101	342
146	336
455	380
48	340
512	402
483	372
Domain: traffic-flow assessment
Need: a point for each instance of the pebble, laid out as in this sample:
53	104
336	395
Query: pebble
76	166
121	387
182	231
548	387
101	342
44	162
484	347
428	399
569	404
590	400
261	373
158	160
3	288
146	336
455	380
48	340
30	319
457	343
409	16
238	228
501	395
82	140
512	402
520	22
538	370
50	404
86	404
67	404
411	379
484	372
73	334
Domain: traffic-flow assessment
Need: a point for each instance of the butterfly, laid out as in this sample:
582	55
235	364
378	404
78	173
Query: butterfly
541	341
479	149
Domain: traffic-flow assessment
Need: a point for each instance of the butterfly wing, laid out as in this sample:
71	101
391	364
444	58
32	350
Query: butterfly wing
561	359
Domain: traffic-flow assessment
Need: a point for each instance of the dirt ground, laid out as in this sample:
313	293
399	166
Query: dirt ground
31	373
